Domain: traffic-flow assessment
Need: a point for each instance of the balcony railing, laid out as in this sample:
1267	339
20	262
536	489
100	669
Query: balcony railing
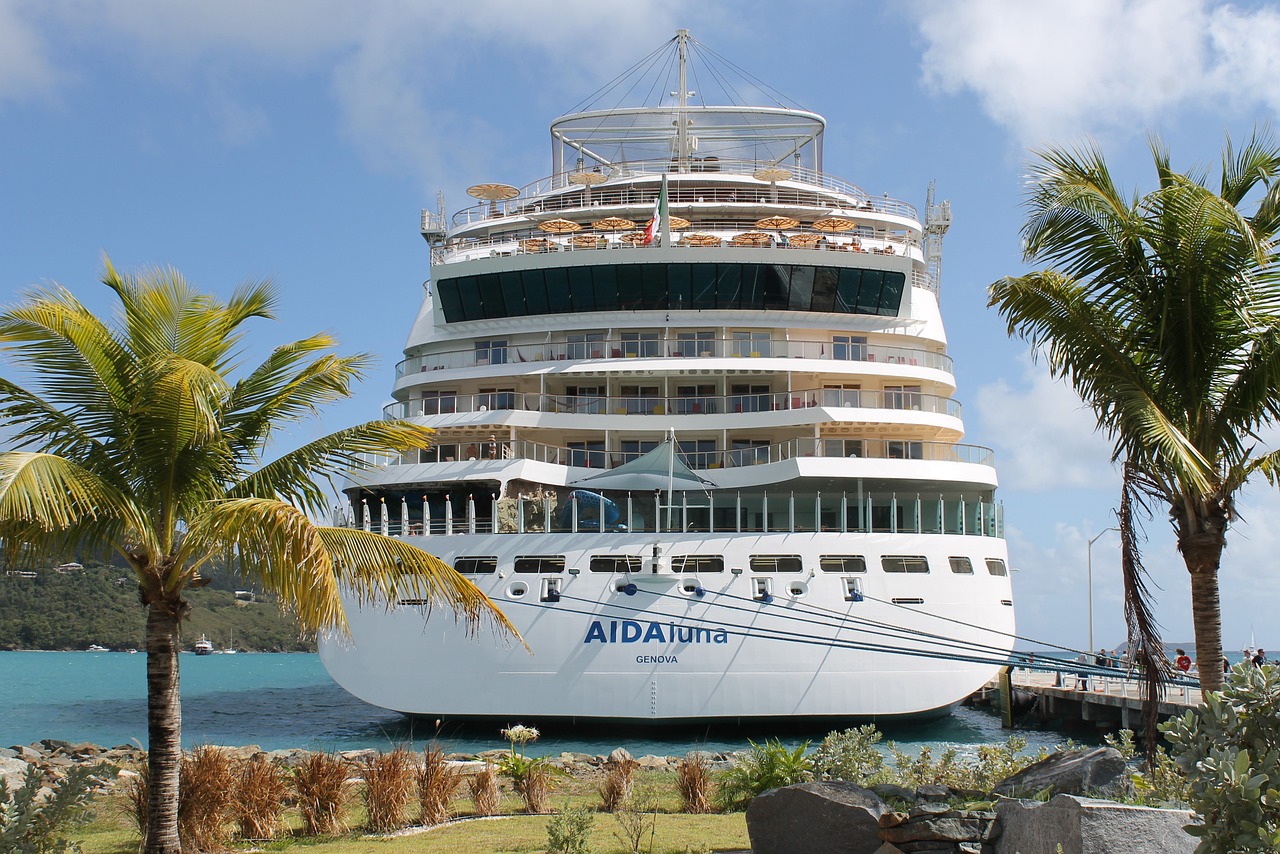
585	456
673	346
591	404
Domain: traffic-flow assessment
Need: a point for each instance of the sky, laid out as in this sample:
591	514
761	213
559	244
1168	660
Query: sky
298	141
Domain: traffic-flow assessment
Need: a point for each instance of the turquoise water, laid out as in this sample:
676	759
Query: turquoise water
279	700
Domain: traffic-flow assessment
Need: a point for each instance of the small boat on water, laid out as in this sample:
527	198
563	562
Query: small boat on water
93	647
230	648
204	646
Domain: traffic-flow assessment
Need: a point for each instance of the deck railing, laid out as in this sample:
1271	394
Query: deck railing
642	404
673	346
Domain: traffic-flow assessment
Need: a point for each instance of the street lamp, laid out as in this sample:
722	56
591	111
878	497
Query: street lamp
1089	564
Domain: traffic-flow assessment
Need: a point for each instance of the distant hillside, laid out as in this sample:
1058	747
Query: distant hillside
99	604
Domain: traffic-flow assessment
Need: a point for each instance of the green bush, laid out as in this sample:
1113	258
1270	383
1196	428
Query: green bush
569	832
851	755
1229	749
767	766
32	825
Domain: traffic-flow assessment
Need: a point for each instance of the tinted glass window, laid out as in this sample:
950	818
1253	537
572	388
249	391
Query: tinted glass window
697	563
540	564
476	565
904	563
615	563
776	563
842	563
995	566
961	565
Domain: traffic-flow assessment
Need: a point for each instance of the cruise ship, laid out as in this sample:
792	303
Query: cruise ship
696	434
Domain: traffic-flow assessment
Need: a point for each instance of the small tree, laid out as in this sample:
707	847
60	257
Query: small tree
1229	748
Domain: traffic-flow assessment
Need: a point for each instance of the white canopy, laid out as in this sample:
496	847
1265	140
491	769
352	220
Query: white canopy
661	469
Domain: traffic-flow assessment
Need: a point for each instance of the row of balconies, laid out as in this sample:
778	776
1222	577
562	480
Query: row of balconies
656	345
908	398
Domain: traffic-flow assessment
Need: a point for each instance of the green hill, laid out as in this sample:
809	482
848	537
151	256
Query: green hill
99	604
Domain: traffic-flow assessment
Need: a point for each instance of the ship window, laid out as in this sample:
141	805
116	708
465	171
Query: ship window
995	566
697	453
849	347
540	564
961	565
896	450
843	448
439	402
776	563
842	563
691	344
476	565
632	287
491	352
697	563
902	397
750	344
615	563
642	344
904	563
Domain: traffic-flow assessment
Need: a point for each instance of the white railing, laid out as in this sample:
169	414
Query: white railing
672	346
591	404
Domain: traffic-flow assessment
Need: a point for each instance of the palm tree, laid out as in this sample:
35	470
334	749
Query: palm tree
1163	311
134	437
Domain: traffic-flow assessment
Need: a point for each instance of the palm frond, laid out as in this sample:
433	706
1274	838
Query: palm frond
310	566
296	476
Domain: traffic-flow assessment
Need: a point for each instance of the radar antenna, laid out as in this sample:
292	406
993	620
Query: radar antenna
937	219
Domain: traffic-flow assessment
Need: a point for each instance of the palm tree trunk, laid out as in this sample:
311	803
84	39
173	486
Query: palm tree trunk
1202	559
164	731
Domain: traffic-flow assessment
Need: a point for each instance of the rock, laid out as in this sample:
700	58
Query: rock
949	826
891	790
893	819
1068	772
888	848
816	818
1090	826
931	792
12	772
652	761
620	754
930	808
289	758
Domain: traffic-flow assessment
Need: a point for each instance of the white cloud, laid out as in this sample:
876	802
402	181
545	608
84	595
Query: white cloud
1047	435
1049	70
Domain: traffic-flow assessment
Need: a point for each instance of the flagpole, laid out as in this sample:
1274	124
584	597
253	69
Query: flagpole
662	212
671	465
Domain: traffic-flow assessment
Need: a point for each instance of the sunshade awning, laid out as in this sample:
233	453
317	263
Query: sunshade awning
660	469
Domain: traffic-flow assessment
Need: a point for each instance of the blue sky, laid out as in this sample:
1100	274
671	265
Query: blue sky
298	142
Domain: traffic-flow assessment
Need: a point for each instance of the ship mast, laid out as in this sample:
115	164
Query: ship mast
682	100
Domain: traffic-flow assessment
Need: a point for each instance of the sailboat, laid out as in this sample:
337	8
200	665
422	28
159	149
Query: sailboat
231	644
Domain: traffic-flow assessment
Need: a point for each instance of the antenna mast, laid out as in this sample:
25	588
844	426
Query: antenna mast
937	219
682	102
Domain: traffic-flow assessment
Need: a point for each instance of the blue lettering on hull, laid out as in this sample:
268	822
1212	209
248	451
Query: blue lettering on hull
636	631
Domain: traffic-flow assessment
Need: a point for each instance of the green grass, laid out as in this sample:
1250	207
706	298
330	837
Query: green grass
110	832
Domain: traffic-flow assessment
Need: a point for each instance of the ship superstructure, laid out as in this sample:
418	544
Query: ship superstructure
696	435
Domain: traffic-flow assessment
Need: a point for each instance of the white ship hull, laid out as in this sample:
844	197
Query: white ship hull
665	655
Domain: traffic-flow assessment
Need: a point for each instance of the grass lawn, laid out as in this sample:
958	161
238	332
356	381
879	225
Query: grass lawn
666	832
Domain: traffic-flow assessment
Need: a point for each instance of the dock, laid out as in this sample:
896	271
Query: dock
1106	701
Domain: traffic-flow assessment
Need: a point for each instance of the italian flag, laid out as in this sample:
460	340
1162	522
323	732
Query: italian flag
659	213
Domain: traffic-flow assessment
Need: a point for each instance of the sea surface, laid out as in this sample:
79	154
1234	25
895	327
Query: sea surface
283	700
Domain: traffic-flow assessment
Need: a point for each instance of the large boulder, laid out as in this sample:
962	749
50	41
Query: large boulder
1088	826
12	772
1068	772
816	818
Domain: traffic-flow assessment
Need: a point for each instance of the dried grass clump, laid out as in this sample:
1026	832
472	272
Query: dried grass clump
137	790
438	782
321	783
615	789
207	785
693	779
388	789
261	790
484	792
535	788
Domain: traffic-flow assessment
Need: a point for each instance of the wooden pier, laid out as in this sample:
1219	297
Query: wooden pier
1108	702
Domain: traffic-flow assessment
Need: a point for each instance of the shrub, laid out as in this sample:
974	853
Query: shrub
530	777
438	782
693	779
635	823
851	755
1158	782
206	786
321	783
30	824
1229	750
388	789
261	790
618	781
767	766
570	831
484	792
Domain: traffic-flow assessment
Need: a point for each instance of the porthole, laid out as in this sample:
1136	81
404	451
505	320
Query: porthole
517	589
797	589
